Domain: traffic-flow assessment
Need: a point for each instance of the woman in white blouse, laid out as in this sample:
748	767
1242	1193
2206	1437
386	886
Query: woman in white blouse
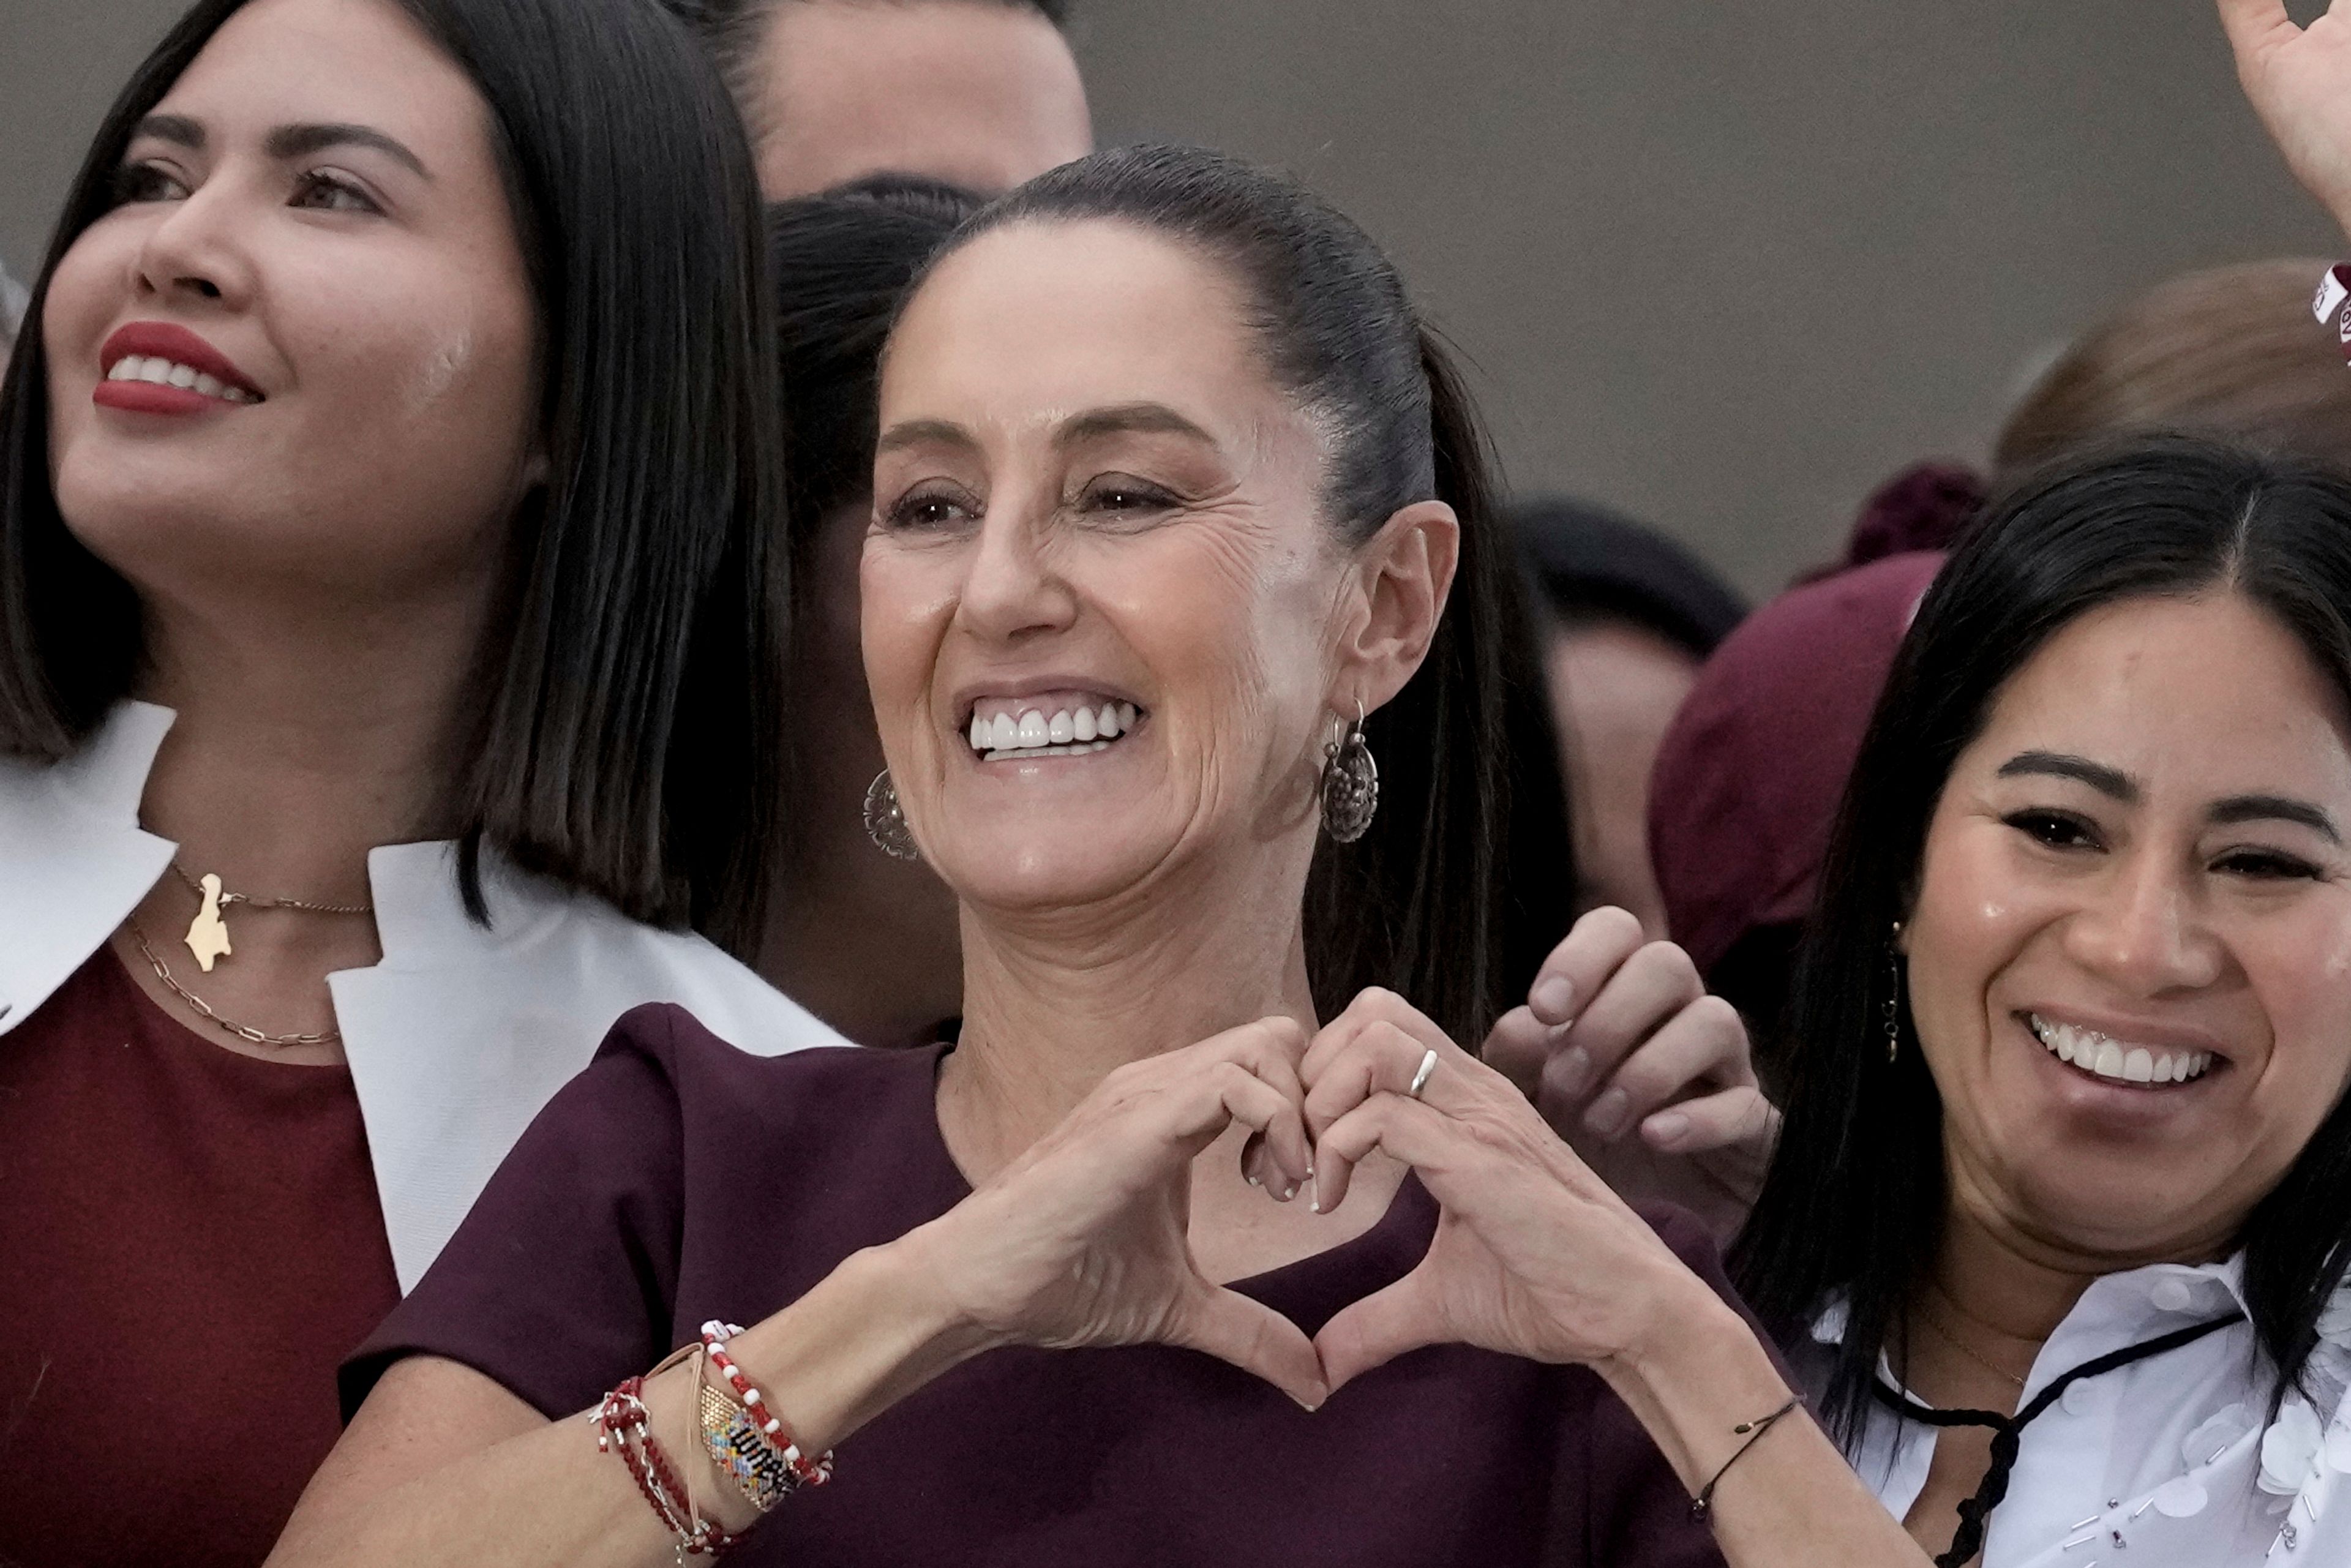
387	652
2056	1230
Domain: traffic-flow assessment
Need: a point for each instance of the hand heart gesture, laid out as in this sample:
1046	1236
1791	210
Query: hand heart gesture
1534	1255
1082	1239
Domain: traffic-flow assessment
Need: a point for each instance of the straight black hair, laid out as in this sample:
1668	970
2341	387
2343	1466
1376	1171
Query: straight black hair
1854	1203
838	264
630	717
1467	876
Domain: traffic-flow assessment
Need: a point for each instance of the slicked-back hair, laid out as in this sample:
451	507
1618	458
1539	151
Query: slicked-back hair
1467	876
1856	1200
628	721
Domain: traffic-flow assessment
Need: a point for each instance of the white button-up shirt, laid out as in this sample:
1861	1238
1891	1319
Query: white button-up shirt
455	1040
2170	1462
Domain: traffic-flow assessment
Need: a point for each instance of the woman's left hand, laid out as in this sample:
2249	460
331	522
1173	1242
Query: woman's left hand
1533	1256
1646	1074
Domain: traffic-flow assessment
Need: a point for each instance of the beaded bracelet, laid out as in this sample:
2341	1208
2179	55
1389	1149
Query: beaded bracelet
745	1439
624	1428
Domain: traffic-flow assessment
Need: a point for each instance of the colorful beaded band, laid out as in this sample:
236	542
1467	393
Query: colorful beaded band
2333	306
746	1438
622	1426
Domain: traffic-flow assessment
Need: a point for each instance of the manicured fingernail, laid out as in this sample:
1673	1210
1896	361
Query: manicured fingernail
1573	1072
1289	1191
1553	999
1666	1129
1607	1114
1318	1194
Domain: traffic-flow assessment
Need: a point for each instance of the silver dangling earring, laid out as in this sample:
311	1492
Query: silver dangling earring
1894	997
885	823
1350	784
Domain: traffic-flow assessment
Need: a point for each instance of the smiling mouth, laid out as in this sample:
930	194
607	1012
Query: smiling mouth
2118	1061
155	371
1015	729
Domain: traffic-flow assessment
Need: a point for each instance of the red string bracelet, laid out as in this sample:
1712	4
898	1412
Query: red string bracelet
623	1427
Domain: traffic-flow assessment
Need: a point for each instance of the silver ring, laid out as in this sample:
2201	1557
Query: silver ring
1428	1070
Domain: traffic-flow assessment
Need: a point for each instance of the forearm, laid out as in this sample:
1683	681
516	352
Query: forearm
405	1487
1791	1501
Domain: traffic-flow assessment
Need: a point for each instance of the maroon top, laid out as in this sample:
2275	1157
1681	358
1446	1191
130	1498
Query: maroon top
679	1179
190	1240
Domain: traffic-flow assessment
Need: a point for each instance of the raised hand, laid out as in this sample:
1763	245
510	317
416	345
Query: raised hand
1534	1255
1629	1058
2299	79
1082	1240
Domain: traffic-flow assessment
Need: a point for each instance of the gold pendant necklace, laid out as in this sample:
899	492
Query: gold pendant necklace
208	935
202	1008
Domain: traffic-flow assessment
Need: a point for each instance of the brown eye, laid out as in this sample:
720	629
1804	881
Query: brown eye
2054	830
146	182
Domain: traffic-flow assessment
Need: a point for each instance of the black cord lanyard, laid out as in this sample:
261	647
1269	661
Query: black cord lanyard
2008	1431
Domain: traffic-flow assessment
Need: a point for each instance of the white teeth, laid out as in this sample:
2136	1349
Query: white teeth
1069	732
166	374
2094	1052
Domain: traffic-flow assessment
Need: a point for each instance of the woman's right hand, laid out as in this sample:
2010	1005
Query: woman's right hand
1082	1239
2299	79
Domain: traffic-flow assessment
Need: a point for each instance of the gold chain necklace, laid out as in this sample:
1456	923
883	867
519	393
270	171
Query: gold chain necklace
1943	1332
245	1032
208	935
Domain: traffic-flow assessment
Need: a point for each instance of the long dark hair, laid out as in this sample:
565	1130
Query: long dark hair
629	727
1467	876
1855	1200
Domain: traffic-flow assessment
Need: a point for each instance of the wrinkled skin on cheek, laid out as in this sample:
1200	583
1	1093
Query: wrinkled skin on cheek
1125	503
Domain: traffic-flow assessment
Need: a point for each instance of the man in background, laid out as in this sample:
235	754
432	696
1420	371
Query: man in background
982	94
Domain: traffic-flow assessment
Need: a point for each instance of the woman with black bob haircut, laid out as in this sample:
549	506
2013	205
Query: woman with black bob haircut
2059	1221
388	640
1178	517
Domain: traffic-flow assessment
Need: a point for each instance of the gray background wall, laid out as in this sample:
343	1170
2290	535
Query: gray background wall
1725	264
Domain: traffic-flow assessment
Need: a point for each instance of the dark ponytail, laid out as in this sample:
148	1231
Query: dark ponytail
1423	904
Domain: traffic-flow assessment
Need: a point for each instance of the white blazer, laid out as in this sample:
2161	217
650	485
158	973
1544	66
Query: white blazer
455	1040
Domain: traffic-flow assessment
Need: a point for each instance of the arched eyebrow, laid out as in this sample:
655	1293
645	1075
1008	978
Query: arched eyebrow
1126	418
923	433
288	141
2111	783
2273	808
176	129
292	142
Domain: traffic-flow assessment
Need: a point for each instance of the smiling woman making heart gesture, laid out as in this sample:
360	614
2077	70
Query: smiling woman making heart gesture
1178	519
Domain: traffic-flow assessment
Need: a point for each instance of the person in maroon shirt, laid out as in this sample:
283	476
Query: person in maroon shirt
1172	493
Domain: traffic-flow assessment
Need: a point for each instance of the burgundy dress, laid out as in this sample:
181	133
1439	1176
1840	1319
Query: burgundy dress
679	1179
190	1243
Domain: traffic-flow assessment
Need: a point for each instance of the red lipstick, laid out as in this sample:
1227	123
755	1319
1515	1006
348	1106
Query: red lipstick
162	341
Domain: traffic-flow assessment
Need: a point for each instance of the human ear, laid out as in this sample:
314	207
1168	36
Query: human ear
1404	574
